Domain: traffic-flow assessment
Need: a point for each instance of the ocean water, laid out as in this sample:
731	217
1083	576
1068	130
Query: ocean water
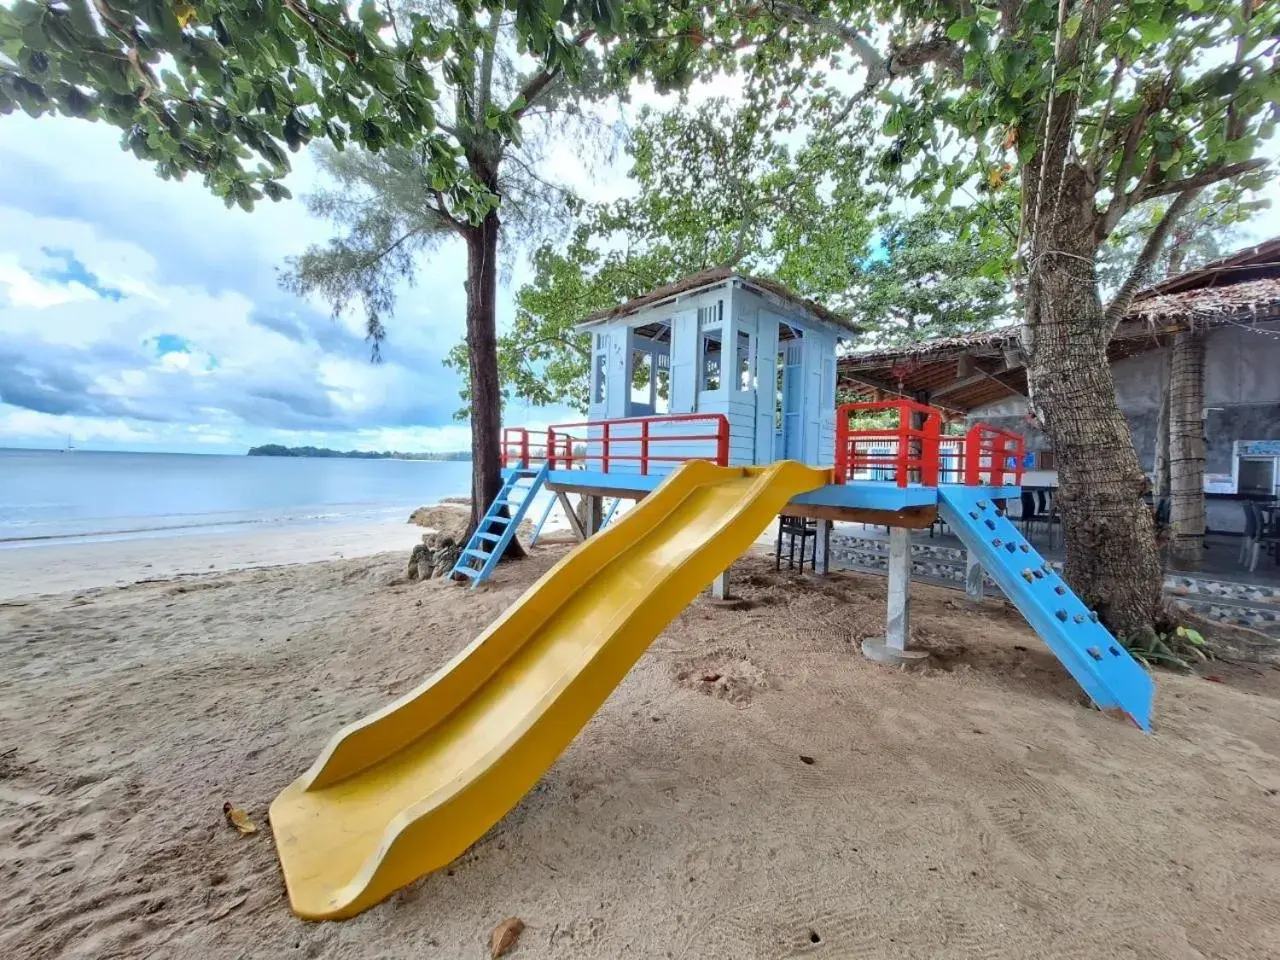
52	496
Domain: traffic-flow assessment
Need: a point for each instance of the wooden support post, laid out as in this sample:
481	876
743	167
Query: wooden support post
720	586
973	576
575	523
822	549
595	513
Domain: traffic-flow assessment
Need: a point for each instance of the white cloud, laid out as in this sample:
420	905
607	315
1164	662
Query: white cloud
23	289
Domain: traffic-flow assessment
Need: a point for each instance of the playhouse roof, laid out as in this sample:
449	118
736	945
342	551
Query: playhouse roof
712	277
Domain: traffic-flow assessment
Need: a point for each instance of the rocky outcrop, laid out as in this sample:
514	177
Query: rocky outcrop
435	556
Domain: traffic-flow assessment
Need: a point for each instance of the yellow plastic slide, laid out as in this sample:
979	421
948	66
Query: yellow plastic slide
406	790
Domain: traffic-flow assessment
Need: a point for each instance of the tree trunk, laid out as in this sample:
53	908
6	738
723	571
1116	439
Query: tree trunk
1160	464
1112	559
1186	448
482	353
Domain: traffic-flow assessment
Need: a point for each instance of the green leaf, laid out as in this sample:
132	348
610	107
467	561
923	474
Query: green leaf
1191	636
1072	26
960	30
1154	31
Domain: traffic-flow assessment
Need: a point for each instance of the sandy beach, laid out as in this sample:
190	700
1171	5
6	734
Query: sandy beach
43	568
974	809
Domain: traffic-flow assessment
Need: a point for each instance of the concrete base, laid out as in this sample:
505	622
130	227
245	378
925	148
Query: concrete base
881	652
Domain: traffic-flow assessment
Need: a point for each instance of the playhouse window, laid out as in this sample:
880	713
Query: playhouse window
746	381
712	350
641	377
598	384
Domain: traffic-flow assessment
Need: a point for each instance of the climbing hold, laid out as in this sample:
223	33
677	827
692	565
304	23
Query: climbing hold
1039	574
1011	547
1061	615
1060	590
1026	575
982	504
1025	548
991	524
996	542
973	514
1078	618
1095	653
1093	615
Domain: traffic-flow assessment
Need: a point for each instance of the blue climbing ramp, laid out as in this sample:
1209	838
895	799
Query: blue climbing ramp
494	532
1099	663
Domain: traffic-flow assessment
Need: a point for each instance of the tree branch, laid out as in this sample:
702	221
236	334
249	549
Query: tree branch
442	208
878	68
486	65
531	90
1203	179
1096	157
1123	299
583	352
1132	141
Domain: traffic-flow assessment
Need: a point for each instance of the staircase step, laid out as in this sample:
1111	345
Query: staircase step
492	537
478	554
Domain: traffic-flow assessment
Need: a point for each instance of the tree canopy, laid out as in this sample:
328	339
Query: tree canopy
224	88
388	205
717	187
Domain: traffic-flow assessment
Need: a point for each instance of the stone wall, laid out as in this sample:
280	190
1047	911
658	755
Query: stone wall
1246	604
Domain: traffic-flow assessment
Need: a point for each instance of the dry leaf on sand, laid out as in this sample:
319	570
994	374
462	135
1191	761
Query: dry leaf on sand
239	819
504	936
226	908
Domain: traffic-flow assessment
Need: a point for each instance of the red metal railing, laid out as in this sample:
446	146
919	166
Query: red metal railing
912	449
523	448
992	456
611	443
905	452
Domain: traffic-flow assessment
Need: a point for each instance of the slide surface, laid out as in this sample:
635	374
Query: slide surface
408	789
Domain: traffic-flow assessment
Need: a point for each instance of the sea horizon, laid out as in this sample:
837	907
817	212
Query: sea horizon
53	495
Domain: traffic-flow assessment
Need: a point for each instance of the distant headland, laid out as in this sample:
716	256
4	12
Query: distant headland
276	450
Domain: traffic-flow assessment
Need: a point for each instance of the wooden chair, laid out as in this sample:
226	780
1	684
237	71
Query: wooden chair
1250	533
798	532
1264	538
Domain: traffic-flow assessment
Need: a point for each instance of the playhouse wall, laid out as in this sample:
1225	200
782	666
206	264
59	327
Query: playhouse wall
817	415
749	407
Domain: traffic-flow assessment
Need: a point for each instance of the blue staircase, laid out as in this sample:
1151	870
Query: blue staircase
612	510
495	530
1099	663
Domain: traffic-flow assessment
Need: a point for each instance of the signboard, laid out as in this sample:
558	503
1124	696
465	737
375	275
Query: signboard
1259	448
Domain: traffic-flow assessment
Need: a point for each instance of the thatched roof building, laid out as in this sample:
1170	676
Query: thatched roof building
962	373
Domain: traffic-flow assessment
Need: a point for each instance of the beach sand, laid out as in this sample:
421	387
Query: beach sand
53	567
972	809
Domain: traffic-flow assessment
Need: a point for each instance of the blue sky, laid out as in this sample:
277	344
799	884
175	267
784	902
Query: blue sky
142	314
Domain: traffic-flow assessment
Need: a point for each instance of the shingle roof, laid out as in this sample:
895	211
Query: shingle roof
713	275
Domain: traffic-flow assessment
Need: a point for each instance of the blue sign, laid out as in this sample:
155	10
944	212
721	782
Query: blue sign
1260	448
